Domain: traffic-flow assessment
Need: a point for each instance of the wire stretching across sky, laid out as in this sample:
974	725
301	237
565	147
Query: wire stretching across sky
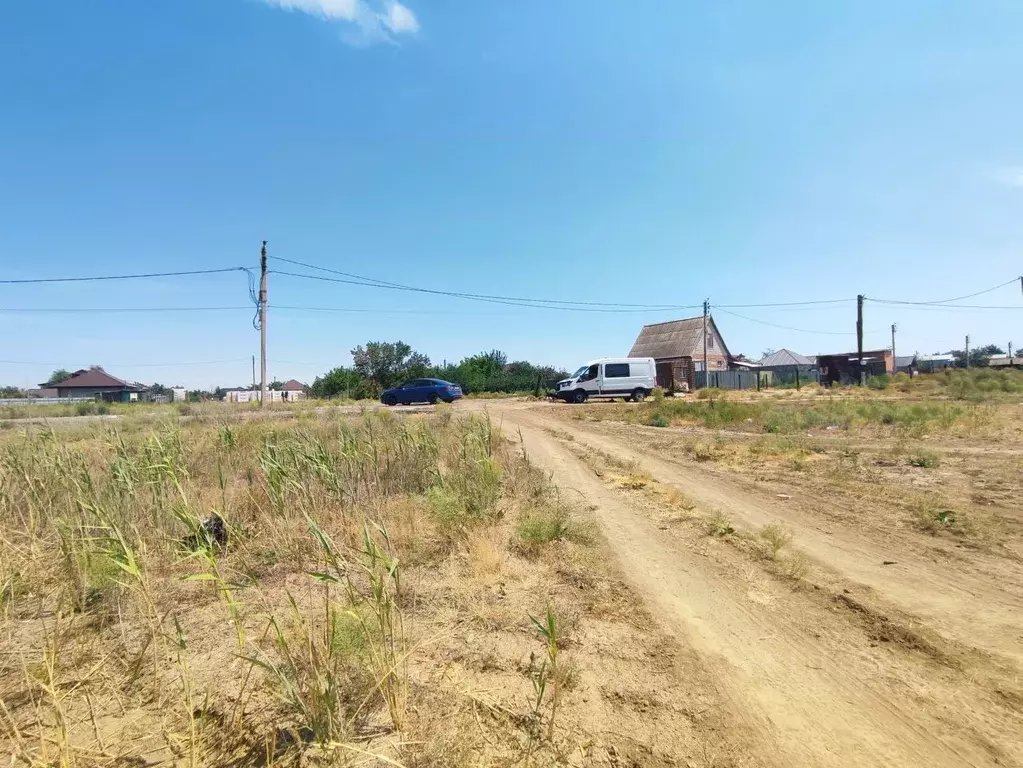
790	328
93	278
1018	280
354	279
509	301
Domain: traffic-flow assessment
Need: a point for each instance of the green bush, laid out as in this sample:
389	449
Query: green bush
878	382
659	421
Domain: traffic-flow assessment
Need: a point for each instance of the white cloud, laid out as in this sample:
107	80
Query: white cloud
369	22
400	19
344	10
1010	176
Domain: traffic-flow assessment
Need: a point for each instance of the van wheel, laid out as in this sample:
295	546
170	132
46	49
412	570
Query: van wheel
638	395
579	396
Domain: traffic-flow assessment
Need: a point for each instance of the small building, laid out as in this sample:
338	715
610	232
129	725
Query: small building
98	384
932	363
293	389
677	348
844	368
905	363
1004	361
41	393
179	394
788	367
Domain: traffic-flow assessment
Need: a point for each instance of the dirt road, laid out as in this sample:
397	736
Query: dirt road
804	671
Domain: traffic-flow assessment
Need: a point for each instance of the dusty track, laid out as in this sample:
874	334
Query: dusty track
800	671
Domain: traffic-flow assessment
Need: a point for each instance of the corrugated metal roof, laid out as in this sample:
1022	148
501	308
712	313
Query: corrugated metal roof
785	357
904	361
675	338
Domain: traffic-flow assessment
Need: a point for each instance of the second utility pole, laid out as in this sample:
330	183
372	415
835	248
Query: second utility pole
859	339
893	344
262	327
706	372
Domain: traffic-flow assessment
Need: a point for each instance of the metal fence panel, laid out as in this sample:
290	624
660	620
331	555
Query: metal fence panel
726	379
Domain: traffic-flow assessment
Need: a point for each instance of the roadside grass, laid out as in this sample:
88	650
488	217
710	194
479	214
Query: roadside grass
294	626
781	416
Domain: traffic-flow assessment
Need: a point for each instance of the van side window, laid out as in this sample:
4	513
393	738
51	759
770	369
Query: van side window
616	371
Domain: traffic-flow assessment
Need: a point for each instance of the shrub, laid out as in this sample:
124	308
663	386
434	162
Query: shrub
659	421
878	382
776	537
657	394
718	524
924	459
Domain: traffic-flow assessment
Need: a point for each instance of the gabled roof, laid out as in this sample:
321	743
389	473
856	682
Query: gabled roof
95	379
293	385
676	338
904	361
785	357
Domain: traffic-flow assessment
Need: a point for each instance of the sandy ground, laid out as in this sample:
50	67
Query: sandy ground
878	656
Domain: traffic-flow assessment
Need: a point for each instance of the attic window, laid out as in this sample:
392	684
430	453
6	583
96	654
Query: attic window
710	341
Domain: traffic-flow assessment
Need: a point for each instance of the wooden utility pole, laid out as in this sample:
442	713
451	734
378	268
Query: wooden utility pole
893	343
706	370
1010	354
262	326
967	350
253	373
859	339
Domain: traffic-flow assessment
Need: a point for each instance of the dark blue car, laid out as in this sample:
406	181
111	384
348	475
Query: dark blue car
422	391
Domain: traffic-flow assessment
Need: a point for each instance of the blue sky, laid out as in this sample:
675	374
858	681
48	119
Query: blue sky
645	152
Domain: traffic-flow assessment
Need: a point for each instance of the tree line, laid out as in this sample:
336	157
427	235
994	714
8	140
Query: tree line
380	365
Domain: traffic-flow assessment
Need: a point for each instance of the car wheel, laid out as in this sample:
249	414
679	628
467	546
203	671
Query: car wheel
389	400
433	399
638	395
579	396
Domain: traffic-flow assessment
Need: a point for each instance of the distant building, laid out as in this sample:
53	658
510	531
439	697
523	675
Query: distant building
786	366
47	392
905	363
1004	361
932	363
844	368
179	395
677	348
294	389
97	383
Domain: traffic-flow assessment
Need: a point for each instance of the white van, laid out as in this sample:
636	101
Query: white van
630	378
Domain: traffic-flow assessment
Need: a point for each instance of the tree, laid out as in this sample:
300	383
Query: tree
767	352
276	385
979	356
387	364
342	382
159	390
59	375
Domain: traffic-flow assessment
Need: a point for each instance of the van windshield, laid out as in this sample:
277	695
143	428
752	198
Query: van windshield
580	372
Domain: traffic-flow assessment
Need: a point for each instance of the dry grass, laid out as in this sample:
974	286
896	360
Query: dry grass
355	550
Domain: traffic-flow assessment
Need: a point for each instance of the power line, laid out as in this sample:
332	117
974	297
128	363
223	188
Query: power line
370	282
510	301
787	327
946	301
122	277
75	310
132	365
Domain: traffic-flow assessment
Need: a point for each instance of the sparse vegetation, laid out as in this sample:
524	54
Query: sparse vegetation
776	538
719	524
308	607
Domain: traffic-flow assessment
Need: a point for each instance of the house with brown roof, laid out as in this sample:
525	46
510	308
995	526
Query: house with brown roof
97	383
677	348
293	389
